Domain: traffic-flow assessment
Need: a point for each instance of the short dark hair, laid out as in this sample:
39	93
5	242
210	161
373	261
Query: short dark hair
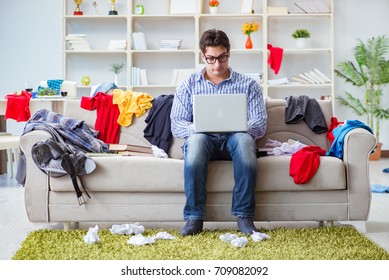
214	38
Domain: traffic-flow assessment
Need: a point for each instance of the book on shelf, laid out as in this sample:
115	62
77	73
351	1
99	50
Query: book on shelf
117	45
139	41
170	44
138	76
277	10
130	148
307	74
77	42
280	81
143	77
300	80
317	77
312	6
302	75
179	75
324	77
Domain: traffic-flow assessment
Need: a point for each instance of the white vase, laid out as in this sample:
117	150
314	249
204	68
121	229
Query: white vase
213	10
300	43
116	80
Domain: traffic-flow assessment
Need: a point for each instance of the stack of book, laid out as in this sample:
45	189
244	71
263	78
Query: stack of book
138	76
312	77
139	41
277	10
313	6
77	42
170	44
117	45
131	150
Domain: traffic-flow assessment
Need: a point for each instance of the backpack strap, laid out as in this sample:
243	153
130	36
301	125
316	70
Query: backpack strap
68	166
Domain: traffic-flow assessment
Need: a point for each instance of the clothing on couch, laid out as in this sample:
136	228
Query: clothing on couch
107	115
158	129
308	109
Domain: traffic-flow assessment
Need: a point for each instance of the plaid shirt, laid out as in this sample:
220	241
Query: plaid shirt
72	131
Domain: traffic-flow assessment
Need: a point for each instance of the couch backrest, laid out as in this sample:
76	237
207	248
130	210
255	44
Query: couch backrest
276	127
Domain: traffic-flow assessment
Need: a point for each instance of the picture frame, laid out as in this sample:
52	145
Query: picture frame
184	6
247	6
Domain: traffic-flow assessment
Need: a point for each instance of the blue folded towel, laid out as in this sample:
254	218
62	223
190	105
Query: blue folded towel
379	188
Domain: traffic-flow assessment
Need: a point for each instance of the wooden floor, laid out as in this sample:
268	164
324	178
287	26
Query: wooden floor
14	224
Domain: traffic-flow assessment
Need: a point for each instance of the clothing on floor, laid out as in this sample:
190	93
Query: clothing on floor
107	115
18	106
131	103
378	188
304	163
340	132
308	109
158	129
275	58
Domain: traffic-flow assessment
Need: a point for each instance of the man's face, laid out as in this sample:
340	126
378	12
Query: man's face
216	61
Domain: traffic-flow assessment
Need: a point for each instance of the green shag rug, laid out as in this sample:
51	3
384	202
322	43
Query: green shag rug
326	243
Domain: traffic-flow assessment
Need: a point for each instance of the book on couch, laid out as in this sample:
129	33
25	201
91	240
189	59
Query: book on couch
133	149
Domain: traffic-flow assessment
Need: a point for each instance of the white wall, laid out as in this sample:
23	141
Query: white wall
30	48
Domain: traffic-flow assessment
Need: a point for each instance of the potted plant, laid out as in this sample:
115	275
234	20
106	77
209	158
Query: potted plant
213	6
117	68
369	75
301	35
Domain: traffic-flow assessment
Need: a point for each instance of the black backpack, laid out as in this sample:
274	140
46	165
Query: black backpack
58	159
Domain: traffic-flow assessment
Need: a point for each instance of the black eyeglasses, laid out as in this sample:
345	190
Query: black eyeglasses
212	59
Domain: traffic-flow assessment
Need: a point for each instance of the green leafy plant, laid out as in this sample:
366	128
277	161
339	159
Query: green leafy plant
117	67
301	33
369	75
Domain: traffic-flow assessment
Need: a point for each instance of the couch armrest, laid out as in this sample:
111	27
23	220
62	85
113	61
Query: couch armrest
358	144
36	183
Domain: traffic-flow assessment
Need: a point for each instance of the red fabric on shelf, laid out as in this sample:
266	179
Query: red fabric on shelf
18	106
275	57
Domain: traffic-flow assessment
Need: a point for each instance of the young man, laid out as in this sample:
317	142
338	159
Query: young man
199	148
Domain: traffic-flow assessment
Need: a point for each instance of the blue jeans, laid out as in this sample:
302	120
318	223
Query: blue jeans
198	150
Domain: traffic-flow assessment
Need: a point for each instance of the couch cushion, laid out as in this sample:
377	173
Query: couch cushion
149	174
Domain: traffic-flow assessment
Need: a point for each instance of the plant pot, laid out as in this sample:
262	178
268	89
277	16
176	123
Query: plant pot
213	10
300	43
376	155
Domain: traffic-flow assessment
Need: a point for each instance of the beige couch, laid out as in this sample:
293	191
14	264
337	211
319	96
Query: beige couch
148	189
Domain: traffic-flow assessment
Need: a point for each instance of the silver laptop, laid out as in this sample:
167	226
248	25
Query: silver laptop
220	113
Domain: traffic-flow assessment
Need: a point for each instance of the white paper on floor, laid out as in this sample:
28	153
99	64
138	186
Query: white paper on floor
139	240
92	235
237	241
127	229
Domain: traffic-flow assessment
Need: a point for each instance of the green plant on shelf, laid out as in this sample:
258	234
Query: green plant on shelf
117	67
301	33
47	92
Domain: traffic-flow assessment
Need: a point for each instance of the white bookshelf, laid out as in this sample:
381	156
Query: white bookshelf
156	23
